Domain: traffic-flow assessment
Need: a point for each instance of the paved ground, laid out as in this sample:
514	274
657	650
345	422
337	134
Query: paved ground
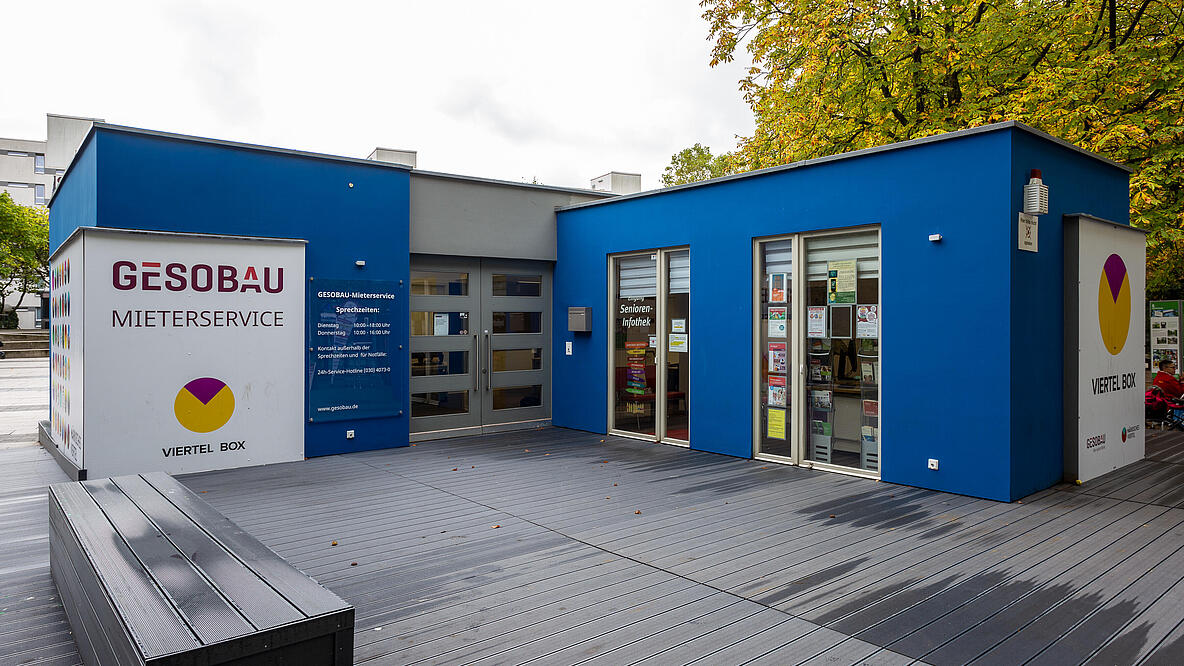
24	399
557	546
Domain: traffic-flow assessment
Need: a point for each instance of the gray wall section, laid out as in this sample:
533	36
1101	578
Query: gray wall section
474	218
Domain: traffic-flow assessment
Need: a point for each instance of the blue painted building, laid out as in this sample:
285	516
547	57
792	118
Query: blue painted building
966	364
800	314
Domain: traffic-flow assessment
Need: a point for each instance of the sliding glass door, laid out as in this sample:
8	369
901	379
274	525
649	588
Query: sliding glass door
649	339
817	360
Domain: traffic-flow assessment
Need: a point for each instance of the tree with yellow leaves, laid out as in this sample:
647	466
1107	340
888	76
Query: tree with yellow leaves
1108	75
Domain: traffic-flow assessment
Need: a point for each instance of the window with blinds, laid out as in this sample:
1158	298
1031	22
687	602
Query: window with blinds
637	277
778	256
680	271
863	247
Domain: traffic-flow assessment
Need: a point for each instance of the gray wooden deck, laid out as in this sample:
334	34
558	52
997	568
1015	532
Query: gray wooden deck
529	547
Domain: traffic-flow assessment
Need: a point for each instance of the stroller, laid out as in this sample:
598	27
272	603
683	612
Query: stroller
1159	407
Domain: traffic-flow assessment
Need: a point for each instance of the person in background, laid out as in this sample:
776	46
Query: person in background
1166	379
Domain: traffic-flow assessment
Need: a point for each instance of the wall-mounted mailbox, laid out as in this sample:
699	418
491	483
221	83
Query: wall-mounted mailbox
579	320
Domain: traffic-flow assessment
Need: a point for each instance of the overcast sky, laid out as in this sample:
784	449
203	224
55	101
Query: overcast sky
555	90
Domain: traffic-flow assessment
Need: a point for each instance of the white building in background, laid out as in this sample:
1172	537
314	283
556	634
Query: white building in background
29	171
29	167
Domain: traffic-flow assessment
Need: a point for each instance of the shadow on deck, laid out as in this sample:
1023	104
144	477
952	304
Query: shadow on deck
566	547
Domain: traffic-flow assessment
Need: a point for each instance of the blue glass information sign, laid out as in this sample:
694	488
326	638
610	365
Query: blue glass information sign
351	356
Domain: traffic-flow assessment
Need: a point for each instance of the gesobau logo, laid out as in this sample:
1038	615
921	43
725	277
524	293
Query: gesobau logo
176	276
1114	304
204	404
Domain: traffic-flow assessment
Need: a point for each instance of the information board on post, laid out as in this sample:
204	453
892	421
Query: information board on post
351	361
1165	333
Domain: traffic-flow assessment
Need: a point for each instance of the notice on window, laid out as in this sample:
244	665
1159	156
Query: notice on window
778	394
440	324
840	281
871	408
815	321
778	288
778	357
678	325
678	342
778	322
867	321
635	370
776	428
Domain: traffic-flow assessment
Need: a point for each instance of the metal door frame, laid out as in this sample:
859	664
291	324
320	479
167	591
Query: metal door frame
480	380
455	424
797	337
491	419
660	358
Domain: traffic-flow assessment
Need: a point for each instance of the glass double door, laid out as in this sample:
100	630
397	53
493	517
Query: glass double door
818	350
650	354
480	347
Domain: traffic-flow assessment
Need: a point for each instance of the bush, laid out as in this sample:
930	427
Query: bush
8	319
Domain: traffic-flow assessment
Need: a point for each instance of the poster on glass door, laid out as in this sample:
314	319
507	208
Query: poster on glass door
867	321
778	322
778	357
778	396
816	321
840	282
778	287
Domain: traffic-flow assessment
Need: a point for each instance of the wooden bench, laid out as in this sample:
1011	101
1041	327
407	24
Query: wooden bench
149	573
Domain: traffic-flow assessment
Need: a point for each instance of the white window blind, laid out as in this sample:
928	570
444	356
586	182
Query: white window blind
778	256
637	277
680	271
863	247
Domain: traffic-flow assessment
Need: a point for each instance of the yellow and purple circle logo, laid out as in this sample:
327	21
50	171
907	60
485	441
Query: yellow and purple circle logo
1114	304
204	404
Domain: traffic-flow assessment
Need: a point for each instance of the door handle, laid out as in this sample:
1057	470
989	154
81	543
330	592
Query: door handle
476	363
488	361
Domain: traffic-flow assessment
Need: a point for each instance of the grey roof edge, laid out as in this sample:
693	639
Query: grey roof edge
78	231
238	145
296	153
9	138
957	134
510	183
70	117
1102	220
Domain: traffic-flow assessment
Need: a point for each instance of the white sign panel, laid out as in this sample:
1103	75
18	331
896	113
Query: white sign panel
194	351
1111	273
1029	233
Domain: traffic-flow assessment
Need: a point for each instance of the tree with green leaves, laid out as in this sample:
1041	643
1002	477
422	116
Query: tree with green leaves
1108	75
696	163
24	249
